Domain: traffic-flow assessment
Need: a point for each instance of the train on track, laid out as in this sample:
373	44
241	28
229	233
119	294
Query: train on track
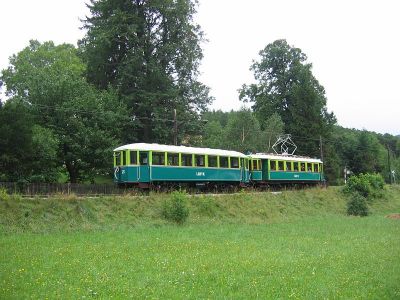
155	166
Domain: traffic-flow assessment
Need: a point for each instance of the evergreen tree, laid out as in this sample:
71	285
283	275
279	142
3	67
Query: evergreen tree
149	50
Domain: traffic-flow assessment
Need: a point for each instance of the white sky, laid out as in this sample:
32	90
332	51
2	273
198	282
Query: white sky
354	47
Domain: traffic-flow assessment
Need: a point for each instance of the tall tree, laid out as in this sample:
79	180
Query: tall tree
149	50
287	86
50	80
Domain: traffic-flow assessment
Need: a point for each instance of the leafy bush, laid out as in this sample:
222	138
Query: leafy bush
175	208
357	206
368	185
4	196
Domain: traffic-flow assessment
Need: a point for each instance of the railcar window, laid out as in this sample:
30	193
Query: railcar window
123	158
223	162
187	160
295	166
133	155
302	167
280	165
143	158
254	164
234	162
200	160
158	158
117	158
288	166
173	159
212	161
273	165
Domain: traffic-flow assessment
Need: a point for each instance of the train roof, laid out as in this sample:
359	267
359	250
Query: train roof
285	157
181	149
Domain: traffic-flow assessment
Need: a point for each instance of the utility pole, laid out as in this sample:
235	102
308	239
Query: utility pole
175	129
390	168
320	148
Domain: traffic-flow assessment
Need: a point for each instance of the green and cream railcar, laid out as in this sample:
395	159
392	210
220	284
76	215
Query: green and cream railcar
154	164
281	169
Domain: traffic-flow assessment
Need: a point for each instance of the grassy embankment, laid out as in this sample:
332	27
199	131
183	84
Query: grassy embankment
290	245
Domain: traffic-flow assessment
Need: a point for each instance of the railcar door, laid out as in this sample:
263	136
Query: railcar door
144	167
243	170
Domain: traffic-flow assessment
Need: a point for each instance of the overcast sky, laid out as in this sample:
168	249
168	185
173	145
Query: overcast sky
354	47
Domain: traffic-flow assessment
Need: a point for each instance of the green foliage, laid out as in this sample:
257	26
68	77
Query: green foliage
243	132
150	52
4	196
29	151
367	185
286	86
77	121
357	205
176	208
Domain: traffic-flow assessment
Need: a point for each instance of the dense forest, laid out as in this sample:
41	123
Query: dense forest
67	107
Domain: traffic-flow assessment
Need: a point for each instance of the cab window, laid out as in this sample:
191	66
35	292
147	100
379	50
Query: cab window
234	162
200	160
212	161
123	158
133	155
173	159
223	162
117	158
187	160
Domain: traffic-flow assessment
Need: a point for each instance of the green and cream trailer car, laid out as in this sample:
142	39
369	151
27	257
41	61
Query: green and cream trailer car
147	165
268	169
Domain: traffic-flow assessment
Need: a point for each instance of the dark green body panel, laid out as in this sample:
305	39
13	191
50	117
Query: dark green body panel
264	164
143	174
256	175
294	176
162	173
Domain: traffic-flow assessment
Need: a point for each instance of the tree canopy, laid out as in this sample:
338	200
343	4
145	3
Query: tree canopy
49	82
286	86
149	51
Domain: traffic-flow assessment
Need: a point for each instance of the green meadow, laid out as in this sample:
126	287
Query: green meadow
295	244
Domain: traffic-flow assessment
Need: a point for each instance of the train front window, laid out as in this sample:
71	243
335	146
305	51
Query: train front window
234	162
123	158
117	158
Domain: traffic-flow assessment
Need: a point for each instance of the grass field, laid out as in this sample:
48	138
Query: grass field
255	246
